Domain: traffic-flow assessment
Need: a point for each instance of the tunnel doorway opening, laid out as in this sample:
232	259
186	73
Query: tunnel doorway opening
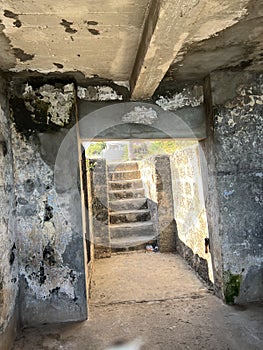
185	229
174	189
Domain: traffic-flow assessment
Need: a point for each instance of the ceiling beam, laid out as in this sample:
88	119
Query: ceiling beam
170	24
158	47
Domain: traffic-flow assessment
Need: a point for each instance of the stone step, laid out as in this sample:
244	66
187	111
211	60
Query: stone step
130	216
125	194
134	242
124	175
112	167
132	229
128	204
125	184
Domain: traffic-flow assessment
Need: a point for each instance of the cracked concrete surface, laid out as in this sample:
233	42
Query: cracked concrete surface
155	298
109	39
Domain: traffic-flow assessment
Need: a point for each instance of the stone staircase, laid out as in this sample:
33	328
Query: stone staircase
130	223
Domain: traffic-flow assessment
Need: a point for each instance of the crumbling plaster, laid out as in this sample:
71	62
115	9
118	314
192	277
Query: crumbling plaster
48	219
188	172
9	279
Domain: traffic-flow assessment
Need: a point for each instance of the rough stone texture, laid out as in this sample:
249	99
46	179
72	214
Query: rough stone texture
48	223
98	207
8	248
42	108
189	209
237	105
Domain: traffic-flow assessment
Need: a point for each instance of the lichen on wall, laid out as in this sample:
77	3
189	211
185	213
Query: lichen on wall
231	286
98	93
44	233
56	103
238	110
140	115
187	96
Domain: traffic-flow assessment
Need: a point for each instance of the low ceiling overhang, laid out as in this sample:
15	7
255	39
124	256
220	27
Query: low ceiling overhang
132	42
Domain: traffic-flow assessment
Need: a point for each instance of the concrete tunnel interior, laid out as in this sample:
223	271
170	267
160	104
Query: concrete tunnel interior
131	70
51	275
190	238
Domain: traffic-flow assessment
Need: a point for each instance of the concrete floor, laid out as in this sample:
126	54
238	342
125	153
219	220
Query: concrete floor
157	299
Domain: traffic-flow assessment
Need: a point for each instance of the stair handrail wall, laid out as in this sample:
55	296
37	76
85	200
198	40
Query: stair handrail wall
99	207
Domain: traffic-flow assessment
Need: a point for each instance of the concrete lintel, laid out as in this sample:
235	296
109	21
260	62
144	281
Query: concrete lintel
139	120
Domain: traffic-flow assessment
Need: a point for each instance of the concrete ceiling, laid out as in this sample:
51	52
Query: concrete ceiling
139	41
94	37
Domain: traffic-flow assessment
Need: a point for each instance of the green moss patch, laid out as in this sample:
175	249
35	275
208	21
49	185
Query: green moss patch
231	286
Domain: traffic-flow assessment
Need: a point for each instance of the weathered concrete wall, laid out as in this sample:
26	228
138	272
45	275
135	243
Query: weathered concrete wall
174	113
48	224
211	195
237	175
189	210
148	176
98	207
156	176
186	102
87	220
165	203
8	247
